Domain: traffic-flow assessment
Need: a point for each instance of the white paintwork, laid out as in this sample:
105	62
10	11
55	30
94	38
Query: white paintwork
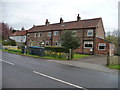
19	38
53	78
7	62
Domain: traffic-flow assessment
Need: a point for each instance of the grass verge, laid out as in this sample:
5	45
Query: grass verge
19	53
114	66
76	56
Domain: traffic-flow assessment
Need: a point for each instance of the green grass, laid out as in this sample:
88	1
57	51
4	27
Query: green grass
45	57
80	56
13	51
19	53
55	58
114	66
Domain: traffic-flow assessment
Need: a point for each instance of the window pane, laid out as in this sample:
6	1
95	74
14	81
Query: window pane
55	32
35	34
88	45
90	33
101	47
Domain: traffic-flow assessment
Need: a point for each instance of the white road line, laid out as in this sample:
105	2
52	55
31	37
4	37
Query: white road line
7	62
58	80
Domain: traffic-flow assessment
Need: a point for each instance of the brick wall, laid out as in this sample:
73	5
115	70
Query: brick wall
101	52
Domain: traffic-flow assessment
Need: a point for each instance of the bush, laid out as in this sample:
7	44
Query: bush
57	49
56	54
9	42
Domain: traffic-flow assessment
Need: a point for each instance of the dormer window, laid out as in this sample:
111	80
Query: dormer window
90	33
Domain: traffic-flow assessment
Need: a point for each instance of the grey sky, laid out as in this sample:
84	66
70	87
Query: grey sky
18	13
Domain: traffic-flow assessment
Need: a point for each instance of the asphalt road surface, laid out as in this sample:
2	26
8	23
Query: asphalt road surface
27	72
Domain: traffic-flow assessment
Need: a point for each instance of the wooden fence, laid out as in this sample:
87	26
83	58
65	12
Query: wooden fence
114	60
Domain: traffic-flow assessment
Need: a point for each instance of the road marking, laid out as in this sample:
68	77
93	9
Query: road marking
7	62
56	79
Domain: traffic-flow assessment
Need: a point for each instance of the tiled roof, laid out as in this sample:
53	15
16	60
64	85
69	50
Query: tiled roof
19	33
86	23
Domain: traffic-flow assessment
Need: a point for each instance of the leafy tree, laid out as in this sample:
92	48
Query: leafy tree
70	41
114	38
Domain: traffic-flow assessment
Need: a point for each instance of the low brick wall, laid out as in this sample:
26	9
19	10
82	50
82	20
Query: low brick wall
114	60
11	47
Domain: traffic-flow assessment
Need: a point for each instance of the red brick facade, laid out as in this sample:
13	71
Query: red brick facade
91	32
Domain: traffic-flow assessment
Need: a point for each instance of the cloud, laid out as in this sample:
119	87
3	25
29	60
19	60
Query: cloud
25	13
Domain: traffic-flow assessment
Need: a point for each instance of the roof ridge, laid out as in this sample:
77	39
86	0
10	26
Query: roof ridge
68	22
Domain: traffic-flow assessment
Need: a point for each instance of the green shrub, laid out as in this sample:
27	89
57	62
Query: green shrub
9	42
57	49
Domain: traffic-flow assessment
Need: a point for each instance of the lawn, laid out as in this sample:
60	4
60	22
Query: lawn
114	66
76	56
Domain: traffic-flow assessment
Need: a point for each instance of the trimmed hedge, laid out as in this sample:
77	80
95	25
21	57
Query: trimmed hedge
57	49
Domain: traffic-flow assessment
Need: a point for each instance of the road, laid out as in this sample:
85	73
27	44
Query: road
28	72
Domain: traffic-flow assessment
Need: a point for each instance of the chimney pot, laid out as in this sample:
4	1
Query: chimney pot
47	22
78	17
61	20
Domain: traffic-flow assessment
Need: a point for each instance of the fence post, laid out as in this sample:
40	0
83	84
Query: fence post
25	49
69	54
108	59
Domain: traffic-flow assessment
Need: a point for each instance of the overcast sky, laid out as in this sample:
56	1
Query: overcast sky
18	13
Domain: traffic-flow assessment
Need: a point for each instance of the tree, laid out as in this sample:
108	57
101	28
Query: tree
9	42
113	37
70	41
4	30
12	30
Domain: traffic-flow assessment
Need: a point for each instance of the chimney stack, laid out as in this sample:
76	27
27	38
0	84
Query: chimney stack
78	17
22	28
61	20
47	22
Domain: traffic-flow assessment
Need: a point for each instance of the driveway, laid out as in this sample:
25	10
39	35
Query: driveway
97	63
94	60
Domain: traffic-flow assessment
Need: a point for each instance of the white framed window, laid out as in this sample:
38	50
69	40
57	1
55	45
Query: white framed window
39	34
56	43
55	33
49	34
101	46
47	43
90	32
28	35
35	34
88	44
75	33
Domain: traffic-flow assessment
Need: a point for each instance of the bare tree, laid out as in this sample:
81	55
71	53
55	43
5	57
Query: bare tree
5	30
